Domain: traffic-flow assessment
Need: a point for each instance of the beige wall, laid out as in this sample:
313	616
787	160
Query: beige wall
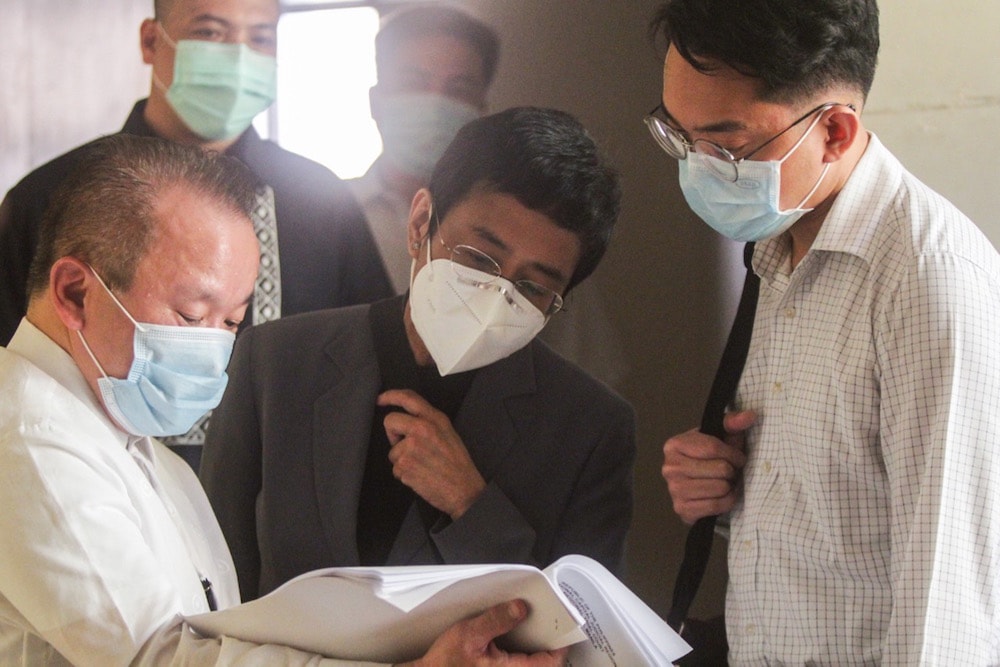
70	70
936	99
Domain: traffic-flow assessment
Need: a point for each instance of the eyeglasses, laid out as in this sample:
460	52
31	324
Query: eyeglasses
470	265
725	164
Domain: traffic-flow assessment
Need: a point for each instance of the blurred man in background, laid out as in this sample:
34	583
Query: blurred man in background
434	67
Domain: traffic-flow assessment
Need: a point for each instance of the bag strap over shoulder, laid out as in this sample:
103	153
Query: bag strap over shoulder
698	545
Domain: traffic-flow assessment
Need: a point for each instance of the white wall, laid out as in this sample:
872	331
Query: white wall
936	99
69	71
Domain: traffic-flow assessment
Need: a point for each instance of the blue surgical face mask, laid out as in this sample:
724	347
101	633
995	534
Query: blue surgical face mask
416	128
218	88
177	375
748	209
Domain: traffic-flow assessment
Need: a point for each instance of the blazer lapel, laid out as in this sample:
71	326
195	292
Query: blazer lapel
494	408
487	423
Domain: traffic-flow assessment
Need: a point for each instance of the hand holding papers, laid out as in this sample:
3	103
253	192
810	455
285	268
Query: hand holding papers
393	614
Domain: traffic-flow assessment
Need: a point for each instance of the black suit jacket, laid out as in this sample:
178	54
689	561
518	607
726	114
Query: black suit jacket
286	453
327	255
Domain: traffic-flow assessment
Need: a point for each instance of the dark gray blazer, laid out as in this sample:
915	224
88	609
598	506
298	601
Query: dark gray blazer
286	453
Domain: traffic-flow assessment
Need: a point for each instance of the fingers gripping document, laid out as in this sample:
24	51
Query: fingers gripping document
393	614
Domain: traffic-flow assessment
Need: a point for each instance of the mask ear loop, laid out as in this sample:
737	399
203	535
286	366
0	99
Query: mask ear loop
416	246
163	31
118	303
794	148
115	299
822	175
431	219
173	45
91	353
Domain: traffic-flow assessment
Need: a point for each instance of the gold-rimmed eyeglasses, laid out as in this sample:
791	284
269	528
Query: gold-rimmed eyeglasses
473	266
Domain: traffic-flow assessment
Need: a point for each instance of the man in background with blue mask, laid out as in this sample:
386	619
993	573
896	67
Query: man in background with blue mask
434	66
147	261
861	470
213	70
435	427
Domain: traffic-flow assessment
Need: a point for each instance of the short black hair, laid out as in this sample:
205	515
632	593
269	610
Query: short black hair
794	48
426	20
103	213
545	159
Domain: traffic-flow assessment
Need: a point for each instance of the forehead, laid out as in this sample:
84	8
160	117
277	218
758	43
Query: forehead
245	12
437	52
197	242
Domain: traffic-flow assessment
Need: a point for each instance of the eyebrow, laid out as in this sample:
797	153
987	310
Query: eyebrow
212	18
541	267
717	127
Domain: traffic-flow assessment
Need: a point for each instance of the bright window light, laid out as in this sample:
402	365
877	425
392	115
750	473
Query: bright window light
326	64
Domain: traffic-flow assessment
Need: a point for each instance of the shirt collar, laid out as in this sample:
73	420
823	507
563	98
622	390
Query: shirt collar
136	124
847	227
30	343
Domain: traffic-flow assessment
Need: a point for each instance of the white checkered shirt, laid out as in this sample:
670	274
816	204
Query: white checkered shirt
869	529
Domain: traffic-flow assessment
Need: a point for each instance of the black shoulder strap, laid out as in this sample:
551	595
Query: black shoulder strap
699	539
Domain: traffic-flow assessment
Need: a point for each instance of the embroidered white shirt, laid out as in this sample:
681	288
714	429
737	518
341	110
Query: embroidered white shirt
104	537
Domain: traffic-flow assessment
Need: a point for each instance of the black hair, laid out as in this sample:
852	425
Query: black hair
794	48
545	159
103	213
422	21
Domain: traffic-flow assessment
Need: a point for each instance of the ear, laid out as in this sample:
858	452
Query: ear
148	39
842	128
419	225
69	280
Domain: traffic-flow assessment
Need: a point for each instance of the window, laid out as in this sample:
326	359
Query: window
326	64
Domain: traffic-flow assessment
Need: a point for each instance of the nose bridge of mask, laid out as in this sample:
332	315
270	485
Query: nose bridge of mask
202	63
511	297
185	347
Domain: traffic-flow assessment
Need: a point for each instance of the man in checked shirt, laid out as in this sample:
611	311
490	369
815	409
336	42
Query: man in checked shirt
862	468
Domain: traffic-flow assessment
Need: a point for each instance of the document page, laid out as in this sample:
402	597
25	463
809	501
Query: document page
621	629
343	616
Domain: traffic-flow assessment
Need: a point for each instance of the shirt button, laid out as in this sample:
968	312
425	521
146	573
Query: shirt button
750	629
767	466
777	387
789	313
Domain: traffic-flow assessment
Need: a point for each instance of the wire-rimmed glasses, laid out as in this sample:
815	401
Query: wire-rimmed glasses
471	264
725	164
